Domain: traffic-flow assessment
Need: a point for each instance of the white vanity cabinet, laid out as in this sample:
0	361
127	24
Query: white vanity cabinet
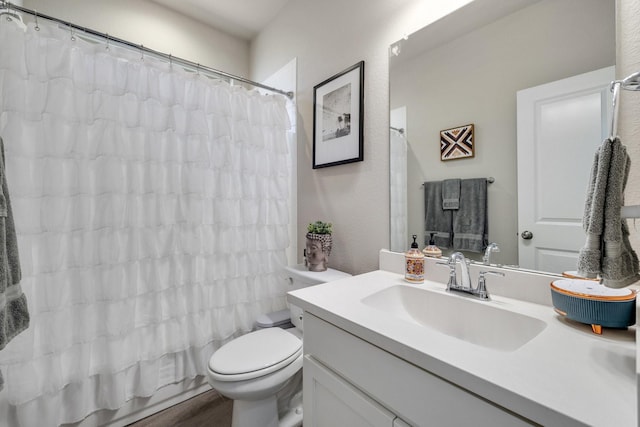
334	402
350	382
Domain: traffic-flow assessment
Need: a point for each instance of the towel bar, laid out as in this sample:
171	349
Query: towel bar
630	211
490	180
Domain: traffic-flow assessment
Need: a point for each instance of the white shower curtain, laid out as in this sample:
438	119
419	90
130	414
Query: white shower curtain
151	206
398	190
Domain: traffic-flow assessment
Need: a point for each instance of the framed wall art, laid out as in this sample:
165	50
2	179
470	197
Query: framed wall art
457	143
338	105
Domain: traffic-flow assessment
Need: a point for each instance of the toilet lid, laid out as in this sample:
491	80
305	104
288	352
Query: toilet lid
256	353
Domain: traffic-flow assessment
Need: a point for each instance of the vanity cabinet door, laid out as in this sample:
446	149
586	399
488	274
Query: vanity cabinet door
329	401
415	395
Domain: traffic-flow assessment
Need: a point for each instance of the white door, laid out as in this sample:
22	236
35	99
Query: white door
560	126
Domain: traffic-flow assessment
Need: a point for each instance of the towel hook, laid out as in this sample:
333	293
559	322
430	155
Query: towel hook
615	88
631	82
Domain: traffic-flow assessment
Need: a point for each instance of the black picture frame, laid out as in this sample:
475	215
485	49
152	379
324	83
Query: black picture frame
338	117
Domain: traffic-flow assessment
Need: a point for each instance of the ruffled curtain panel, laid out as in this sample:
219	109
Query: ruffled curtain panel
151	206
398	193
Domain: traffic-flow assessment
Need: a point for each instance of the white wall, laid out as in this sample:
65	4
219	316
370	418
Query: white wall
327	37
154	26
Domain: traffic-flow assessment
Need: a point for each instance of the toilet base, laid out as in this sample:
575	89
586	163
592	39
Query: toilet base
264	413
255	413
293	418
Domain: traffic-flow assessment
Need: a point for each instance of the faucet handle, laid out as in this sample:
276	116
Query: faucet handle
452	273
481	290
497	273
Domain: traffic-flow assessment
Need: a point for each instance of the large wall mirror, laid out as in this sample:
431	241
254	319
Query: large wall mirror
469	68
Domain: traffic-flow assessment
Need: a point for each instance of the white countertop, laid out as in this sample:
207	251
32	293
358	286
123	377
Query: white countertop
564	376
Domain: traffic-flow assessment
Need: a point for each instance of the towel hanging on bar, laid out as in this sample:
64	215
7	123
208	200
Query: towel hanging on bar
490	180
470	221
607	251
464	228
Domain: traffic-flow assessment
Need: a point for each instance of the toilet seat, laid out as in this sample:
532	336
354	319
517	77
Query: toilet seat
254	355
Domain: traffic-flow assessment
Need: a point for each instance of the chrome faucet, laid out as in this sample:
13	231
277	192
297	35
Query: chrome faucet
464	283
465	280
492	247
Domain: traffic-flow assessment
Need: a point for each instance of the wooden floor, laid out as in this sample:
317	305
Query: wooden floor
208	409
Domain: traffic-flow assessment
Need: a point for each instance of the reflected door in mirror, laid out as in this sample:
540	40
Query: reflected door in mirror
560	126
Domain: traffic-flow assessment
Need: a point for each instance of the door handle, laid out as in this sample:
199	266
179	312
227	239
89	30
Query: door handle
526	235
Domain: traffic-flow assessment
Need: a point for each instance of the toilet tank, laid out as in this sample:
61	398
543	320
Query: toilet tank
301	277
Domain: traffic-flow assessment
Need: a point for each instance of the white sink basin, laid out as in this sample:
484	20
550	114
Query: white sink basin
477	322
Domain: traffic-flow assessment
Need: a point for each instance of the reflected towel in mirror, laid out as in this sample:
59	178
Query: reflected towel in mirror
436	220
470	221
451	194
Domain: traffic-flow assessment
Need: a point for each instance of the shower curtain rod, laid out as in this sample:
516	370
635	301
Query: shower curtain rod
145	50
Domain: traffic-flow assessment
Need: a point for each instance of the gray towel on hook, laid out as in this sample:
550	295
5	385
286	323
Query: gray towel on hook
14	315
451	194
470	221
607	251
436	220
590	256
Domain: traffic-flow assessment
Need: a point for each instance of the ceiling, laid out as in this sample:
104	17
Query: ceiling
240	18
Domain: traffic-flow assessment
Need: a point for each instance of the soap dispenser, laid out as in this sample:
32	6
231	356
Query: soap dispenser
432	250
414	263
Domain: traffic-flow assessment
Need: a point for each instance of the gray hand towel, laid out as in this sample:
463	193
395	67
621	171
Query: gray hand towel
436	220
470	221
589	257
14	315
619	261
451	194
607	250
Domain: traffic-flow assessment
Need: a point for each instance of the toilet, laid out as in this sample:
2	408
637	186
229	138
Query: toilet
258	368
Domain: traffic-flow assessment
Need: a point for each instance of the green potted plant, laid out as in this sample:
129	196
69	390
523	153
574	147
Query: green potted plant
318	247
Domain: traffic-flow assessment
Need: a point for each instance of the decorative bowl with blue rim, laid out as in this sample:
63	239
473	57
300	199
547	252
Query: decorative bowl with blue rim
589	302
